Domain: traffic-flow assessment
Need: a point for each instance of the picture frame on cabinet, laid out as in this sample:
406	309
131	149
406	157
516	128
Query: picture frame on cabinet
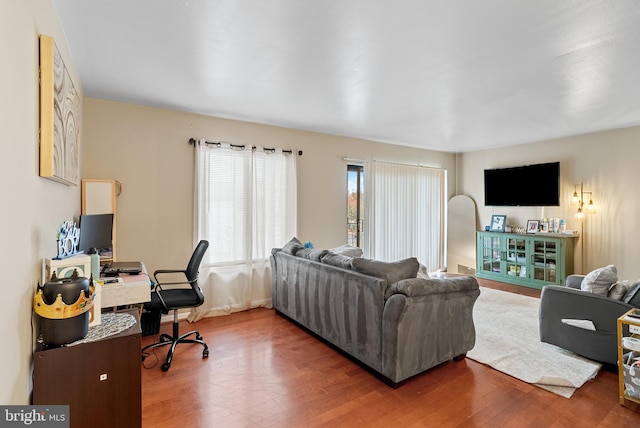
498	223
532	226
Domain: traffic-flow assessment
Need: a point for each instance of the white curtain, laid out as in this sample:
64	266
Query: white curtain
245	205
405	213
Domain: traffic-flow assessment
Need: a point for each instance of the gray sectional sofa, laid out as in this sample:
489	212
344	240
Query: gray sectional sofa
379	313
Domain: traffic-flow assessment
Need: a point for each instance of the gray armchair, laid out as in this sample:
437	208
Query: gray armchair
567	303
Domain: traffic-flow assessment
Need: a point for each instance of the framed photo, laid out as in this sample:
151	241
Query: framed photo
532	226
498	223
59	117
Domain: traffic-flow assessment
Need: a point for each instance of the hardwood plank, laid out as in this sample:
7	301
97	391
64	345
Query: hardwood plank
264	371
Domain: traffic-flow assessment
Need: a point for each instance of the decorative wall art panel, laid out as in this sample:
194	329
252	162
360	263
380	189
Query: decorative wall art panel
59	117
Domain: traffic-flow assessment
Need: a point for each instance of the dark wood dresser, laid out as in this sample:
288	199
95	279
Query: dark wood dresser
99	380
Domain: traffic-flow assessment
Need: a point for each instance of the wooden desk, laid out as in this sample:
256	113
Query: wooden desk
100	380
135	290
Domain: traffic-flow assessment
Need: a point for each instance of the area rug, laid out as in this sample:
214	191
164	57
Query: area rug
507	340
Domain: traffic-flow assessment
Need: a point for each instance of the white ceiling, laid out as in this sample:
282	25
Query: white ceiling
449	75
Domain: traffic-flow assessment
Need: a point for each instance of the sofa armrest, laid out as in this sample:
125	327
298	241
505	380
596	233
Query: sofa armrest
414	287
574	281
427	322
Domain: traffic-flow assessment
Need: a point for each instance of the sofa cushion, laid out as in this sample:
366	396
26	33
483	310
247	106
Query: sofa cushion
633	295
391	271
293	246
599	280
347	250
618	290
337	260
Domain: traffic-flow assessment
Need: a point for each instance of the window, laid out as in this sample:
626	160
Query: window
355	205
246	204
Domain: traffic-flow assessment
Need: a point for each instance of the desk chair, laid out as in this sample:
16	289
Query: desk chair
173	299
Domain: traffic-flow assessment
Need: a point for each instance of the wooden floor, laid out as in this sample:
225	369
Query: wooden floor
263	371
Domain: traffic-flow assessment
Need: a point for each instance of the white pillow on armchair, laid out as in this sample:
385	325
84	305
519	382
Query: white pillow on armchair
600	280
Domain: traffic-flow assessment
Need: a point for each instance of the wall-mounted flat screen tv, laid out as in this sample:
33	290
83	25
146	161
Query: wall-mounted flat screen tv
527	185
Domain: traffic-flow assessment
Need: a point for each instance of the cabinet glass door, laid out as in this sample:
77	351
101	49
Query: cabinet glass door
544	260
532	260
517	257
490	252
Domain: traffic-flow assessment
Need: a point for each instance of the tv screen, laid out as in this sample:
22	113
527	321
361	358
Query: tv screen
96	231
528	185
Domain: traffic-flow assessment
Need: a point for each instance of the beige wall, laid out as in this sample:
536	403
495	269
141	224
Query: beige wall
606	162
32	207
146	149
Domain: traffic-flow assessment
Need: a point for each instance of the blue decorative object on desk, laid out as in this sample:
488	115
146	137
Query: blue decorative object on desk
68	237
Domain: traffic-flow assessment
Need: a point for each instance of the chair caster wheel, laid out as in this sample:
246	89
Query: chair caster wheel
165	367
205	353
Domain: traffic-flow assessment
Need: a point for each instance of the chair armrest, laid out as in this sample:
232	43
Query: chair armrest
165	308
158	288
169	271
557	303
159	283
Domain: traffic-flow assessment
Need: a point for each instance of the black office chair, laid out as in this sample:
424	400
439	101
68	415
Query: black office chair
172	299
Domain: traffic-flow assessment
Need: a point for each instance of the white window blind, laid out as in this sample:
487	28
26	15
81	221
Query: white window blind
225	197
405	213
247	202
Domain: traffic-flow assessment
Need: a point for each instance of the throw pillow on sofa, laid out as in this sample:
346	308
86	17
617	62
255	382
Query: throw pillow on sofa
304	253
337	260
391	271
599	280
317	255
293	246
618	290
633	295
423	272
347	250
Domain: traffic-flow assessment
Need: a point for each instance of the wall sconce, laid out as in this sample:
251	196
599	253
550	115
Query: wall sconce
578	199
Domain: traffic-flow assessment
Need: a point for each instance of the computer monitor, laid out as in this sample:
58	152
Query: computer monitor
96	231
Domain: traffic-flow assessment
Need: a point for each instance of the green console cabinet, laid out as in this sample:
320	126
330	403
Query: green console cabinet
529	260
